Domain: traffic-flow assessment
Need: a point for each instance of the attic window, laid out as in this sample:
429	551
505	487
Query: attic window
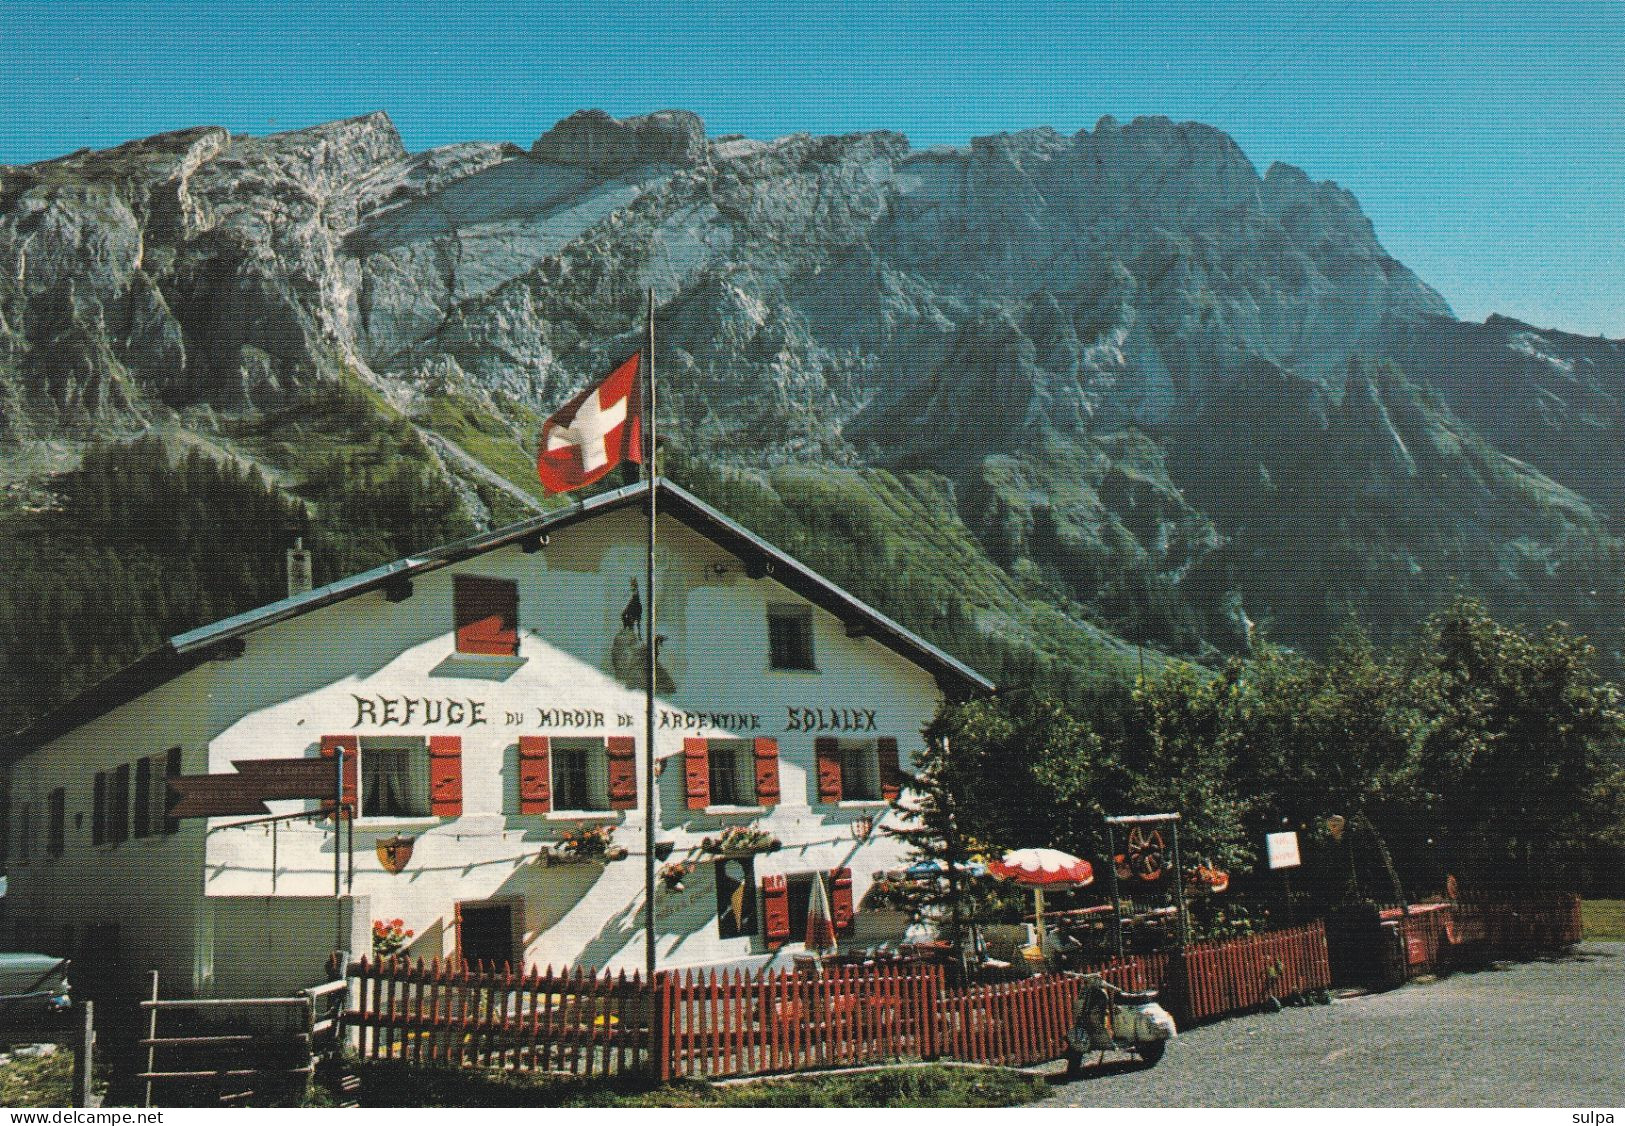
487	613
790	637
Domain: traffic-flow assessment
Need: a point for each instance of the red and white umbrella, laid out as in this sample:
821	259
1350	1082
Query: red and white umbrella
1041	868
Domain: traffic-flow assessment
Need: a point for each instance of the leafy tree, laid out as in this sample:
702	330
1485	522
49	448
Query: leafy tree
1519	737
1027	771
1176	756
1010	771
1316	738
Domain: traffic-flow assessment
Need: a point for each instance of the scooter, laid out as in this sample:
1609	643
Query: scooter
1106	1018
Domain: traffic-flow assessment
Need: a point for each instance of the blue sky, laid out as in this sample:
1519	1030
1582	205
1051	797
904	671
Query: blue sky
1485	140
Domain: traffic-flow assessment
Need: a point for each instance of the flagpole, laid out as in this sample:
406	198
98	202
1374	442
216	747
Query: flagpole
649	649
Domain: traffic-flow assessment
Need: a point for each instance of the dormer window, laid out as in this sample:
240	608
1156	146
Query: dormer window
487	614
790	638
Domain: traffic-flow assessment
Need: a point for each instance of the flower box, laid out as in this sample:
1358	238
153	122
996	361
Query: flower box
740	840
581	846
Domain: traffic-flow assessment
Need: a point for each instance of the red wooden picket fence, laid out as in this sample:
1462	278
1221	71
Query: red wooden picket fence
707	1023
1519	928
1013	1023
1433	935
1240	973
449	1014
737	1023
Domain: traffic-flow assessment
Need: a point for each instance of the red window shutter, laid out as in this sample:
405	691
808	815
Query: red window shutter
828	752
841	912
446	775
487	613
535	775
891	771
775	911
697	773
352	752
623	771
767	772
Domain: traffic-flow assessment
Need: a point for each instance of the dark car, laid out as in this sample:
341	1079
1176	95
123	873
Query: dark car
33	989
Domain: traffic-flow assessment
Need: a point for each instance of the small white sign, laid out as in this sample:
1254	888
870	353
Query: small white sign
1283	849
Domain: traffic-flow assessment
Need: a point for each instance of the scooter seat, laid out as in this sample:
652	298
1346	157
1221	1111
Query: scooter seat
1146	998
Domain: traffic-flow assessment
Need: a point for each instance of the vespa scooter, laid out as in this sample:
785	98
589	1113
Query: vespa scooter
1106	1018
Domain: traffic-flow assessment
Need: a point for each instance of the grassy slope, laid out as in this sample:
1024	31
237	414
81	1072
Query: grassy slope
1603	919
896	540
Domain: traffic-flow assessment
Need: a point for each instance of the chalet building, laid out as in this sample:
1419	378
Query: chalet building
487	701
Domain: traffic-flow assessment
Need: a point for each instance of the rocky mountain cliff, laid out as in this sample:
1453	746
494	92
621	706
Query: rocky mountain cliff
1162	394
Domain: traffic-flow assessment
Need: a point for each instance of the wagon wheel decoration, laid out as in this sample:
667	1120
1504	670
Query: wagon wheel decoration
1144	853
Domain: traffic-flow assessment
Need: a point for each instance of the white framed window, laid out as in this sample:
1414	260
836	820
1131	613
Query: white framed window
732	766
580	775
860	770
394	777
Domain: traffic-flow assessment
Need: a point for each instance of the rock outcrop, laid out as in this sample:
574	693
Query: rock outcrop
593	139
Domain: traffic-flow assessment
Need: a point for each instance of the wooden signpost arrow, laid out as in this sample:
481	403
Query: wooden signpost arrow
256	782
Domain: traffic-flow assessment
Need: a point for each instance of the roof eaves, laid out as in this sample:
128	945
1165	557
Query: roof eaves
132	681
444	556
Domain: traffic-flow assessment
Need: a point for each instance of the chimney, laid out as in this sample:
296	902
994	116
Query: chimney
299	580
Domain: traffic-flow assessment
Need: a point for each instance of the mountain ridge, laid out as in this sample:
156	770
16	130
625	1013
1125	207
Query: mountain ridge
1126	353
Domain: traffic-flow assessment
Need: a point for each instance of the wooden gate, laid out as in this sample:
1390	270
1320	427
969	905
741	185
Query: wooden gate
237	1050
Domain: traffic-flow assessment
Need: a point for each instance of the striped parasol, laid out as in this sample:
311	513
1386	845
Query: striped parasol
1043	868
1039	869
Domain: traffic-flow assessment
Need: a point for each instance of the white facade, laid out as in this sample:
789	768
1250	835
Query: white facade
226	906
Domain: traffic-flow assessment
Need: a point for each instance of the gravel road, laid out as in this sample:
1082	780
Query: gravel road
1536	1034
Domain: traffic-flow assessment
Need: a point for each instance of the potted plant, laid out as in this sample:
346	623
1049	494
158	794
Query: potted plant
389	938
673	874
593	842
740	840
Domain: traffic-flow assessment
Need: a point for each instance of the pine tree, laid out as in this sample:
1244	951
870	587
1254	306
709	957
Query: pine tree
934	831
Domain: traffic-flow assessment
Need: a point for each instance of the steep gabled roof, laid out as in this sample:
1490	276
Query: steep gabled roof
186	651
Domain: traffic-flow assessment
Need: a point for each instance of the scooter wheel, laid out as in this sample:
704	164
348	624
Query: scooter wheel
1151	1051
1074	1063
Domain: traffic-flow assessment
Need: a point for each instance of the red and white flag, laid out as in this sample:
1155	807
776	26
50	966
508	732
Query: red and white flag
589	435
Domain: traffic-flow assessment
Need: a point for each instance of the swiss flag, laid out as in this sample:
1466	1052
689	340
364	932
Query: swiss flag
589	435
